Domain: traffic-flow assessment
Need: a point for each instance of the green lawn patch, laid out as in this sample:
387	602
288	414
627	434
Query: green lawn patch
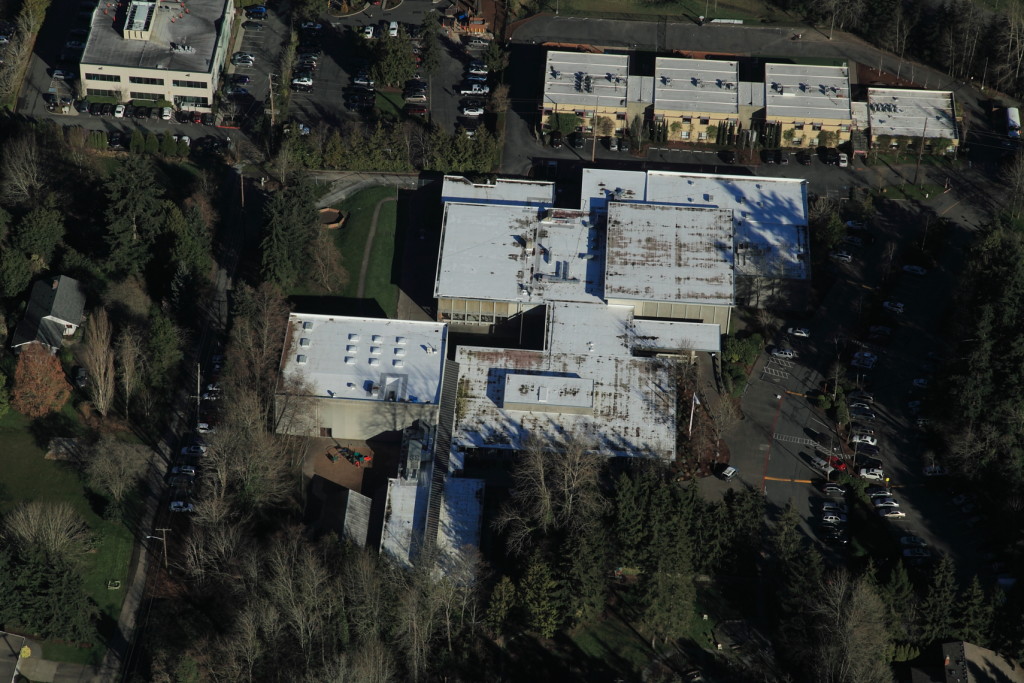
909	191
27	476
390	103
612	641
351	242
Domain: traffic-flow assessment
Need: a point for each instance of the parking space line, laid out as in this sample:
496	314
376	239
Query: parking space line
792	481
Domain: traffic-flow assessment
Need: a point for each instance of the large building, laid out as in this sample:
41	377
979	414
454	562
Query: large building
357	378
593	85
807	105
898	117
697	99
158	51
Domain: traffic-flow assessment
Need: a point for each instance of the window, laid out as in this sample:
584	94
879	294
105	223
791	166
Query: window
659	117
813	142
815	126
799	126
101	93
103	77
189	84
798	141
579	112
146	96
704	120
845	128
326	432
190	100
703	135
687	119
620	117
684	135
146	81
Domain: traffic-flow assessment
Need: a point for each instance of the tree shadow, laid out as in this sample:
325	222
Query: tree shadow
45	428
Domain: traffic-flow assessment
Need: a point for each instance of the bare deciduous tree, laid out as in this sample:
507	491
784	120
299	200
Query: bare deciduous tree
129	364
22	169
98	359
555	487
54	528
852	643
115	467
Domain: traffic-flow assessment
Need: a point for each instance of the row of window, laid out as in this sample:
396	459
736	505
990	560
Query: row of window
138	80
146	95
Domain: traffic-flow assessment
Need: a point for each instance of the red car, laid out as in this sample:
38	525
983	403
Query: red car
837	462
197	118
417	111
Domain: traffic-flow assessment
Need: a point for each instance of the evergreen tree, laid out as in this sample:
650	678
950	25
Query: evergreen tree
668	598
40	231
937	615
539	593
168	145
503	600
587	572
133	216
137	145
15	273
630	518
975	615
902	604
163	350
152	144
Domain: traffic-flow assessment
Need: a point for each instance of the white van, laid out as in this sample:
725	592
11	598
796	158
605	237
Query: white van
393	29
820	463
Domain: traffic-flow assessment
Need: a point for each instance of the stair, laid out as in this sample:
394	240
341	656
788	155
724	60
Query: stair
442	446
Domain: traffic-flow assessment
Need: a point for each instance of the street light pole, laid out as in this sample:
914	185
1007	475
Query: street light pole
162	537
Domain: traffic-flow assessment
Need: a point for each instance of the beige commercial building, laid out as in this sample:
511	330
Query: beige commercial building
592	85
809	105
898	117
696	98
158	51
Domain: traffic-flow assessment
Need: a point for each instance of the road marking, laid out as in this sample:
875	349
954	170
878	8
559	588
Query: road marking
801	440
792	481
768	451
775	373
796	393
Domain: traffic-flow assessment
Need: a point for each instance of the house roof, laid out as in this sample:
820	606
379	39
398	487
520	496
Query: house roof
52	304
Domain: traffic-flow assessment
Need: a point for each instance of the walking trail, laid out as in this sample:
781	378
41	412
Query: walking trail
361	290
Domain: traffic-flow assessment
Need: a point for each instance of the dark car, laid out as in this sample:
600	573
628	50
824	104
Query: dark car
108	110
728	156
577	140
82	106
116	140
556	139
768	156
803	158
129	111
415	110
95	108
155	113
624	143
240	79
142	112
301	87
252	26
782	157
81	377
207	119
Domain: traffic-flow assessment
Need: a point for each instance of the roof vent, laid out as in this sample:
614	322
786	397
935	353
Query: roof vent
398	363
307	325
375	361
300	359
304	342
353	337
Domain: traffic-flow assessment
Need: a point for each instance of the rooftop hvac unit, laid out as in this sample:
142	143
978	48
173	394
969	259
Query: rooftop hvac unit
307	326
304	342
300	359
555	73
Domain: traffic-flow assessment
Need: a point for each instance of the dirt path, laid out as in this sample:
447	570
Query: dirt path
361	290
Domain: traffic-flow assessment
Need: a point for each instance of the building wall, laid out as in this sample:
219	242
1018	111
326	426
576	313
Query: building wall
693	125
477	311
125	90
363	420
588	112
806	133
704	313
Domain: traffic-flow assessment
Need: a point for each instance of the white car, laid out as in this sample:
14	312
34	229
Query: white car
842	256
302	80
799	332
915	270
893	306
477	70
181	506
119	111
475	89
370	32
472	111
844	160
891	512
920	383
879	492
393	29
833	518
165	113
884	502
872	473
205	428
784	353
864	438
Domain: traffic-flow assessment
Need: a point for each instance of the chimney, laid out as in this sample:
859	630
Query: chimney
56	282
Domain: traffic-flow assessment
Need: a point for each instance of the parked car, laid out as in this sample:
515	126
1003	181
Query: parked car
861	395
895	513
186	470
893	306
872	473
915	270
884	502
855	225
119	111
252	26
863	363
205	428
876	491
142	112
863	414
613	144
474	89
302	80
913	542
577	140
728	473
181	506
556	139
477	70
934	471
832	489
832	506
415	110
865	439
728	156
799	332
370	32
803	158
194	449
783	353
833	518
474	111
844	160
842	256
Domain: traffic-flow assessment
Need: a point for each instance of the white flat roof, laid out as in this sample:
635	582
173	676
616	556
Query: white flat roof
501	191
462	512
634	402
806	92
906	112
517	253
406	519
576	328
660	252
769	214
586	79
696	85
367	359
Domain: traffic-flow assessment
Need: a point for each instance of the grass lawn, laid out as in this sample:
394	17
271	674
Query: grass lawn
612	641
351	241
391	103
28	477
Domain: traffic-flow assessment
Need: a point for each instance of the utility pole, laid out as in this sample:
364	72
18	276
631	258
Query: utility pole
270	85
920	152
162	537
199	393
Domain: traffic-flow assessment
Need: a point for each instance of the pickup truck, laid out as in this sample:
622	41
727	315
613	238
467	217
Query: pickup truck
474	89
